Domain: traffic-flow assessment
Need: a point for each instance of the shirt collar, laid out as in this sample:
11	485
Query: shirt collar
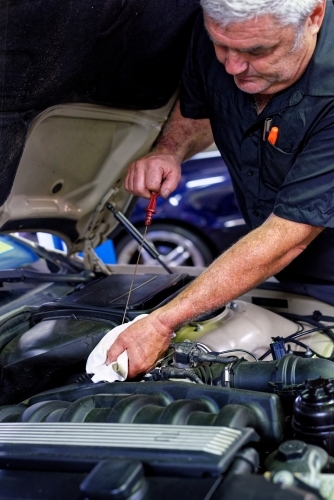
318	79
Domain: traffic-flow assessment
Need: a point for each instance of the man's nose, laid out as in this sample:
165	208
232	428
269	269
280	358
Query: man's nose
234	62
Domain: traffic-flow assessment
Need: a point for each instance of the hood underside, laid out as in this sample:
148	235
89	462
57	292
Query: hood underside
74	163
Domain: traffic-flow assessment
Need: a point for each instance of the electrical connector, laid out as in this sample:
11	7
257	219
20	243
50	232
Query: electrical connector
278	348
187	354
183	354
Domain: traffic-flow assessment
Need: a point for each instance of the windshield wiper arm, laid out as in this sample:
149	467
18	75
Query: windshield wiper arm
19	275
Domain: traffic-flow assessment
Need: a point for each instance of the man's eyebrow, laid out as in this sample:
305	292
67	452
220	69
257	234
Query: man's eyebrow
254	48
248	49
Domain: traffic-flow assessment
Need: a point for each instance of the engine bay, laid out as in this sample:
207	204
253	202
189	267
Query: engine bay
241	404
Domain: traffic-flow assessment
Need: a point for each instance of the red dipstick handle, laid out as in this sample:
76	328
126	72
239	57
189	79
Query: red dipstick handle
151	209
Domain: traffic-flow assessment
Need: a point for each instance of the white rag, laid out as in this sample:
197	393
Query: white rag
96	362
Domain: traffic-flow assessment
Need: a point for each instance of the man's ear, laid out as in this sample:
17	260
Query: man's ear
314	21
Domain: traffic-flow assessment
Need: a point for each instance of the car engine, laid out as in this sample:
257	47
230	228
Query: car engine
241	406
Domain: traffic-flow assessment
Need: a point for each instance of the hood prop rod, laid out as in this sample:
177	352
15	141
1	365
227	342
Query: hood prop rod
131	229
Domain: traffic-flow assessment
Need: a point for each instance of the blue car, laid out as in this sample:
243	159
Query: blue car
195	224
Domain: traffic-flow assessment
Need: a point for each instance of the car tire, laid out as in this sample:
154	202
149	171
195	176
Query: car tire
177	246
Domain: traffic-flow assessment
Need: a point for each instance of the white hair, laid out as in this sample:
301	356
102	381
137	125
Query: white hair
225	12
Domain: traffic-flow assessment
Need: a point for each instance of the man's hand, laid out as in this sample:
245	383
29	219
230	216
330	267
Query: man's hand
157	173
160	170
146	341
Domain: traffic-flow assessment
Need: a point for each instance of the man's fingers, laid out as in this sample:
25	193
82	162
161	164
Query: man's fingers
153	173
114	351
143	343
138	368
135	181
164	178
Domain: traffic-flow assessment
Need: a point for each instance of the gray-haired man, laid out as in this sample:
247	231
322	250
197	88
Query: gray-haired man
254	65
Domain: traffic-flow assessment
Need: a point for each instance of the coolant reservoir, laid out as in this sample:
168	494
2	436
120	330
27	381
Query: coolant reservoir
243	325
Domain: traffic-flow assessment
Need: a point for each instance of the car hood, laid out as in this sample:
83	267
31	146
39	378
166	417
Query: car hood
74	162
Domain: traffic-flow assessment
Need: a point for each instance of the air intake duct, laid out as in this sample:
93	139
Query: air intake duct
267	376
286	371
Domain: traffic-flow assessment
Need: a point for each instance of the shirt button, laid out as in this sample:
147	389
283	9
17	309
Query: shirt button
256	213
250	134
250	173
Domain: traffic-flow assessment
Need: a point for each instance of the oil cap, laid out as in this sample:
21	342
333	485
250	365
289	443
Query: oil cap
293	455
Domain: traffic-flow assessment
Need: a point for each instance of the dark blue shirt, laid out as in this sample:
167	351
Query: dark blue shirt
293	179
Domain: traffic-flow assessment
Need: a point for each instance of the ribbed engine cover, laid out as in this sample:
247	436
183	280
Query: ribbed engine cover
206	450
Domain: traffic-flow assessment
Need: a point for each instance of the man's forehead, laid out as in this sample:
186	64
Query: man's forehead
254	32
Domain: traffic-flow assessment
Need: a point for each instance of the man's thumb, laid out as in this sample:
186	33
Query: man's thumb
114	351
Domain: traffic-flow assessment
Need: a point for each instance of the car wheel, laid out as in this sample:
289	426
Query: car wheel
176	245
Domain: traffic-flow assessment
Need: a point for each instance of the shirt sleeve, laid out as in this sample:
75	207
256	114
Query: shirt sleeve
192	96
307	194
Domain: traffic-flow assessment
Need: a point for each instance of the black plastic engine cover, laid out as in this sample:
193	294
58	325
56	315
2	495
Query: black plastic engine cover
47	355
161	403
111	292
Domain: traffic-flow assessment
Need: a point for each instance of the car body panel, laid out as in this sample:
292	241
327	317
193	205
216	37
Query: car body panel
74	162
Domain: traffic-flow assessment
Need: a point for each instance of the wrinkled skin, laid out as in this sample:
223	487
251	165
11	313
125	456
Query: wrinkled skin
145	348
153	174
262	56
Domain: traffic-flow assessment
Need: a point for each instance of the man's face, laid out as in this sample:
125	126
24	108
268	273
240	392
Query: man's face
260	54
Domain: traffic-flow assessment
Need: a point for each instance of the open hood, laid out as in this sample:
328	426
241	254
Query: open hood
74	163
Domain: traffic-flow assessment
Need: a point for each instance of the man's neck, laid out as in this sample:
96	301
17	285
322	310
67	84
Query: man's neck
261	101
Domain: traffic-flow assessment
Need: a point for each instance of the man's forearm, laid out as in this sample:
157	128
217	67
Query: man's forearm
257	256
183	137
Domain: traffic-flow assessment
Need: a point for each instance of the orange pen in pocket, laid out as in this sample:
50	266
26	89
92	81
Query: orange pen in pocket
273	134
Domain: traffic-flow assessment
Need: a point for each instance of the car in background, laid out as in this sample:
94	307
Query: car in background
31	274
15	253
195	224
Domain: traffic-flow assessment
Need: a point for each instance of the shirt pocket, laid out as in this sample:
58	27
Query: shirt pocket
275	165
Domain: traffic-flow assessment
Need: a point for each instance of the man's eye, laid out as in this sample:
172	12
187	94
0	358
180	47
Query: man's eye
257	53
